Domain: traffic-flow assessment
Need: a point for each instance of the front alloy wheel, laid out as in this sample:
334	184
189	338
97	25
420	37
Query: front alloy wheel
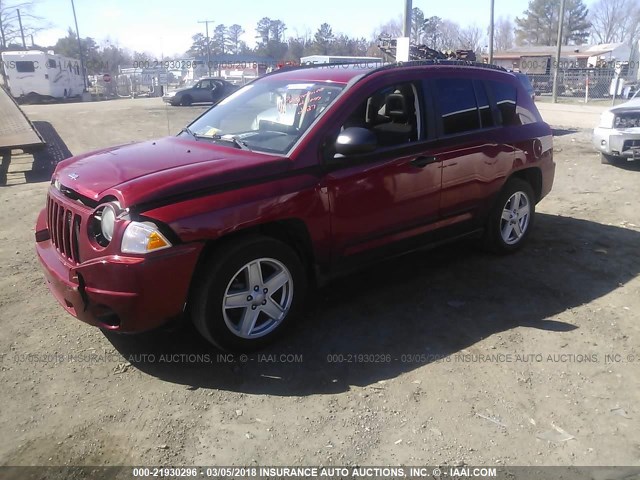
258	298
246	292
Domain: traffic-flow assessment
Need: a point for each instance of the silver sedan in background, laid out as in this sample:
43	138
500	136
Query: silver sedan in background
206	90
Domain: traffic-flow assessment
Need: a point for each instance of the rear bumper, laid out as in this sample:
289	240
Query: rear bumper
618	143
122	293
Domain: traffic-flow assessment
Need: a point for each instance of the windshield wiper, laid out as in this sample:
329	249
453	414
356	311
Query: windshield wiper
233	139
188	130
240	143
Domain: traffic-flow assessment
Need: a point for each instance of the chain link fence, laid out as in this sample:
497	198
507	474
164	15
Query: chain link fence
585	85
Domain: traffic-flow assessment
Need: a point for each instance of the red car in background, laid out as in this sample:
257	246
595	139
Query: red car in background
298	175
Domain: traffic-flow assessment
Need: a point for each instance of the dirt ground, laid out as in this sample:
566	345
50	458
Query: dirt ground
446	357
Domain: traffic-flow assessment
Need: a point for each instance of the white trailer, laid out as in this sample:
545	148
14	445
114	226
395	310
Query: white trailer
44	74
364	61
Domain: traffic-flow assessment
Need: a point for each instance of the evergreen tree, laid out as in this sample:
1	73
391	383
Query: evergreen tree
234	32
219	40
539	24
323	39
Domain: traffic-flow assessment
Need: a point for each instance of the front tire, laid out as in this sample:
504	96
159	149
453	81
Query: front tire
247	292
606	159
186	101
511	219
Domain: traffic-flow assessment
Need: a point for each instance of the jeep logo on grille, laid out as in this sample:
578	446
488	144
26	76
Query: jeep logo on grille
73	176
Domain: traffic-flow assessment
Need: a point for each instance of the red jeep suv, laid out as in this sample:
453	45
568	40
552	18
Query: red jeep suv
296	176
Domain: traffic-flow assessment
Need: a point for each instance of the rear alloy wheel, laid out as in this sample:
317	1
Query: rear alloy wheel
248	293
511	219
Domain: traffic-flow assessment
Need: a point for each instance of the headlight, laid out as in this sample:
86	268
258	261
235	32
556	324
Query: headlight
607	119
108	222
103	222
143	238
170	94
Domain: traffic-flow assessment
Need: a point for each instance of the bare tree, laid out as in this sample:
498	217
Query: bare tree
616	21
417	25
432	27
503	36
471	38
392	28
449	37
9	28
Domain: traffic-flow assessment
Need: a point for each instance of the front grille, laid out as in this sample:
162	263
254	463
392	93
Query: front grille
627	120
629	144
64	228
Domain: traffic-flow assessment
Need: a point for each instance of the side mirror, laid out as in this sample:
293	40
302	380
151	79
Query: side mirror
356	140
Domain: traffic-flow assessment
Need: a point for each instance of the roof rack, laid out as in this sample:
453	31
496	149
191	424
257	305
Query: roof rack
288	68
450	62
441	60
390	65
424	55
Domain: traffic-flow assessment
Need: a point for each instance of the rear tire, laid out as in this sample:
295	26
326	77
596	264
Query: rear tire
247	293
511	219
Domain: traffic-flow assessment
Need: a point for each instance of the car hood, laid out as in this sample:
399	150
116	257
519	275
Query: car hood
180	90
631	105
143	172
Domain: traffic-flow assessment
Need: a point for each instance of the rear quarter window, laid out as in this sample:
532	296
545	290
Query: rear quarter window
505	95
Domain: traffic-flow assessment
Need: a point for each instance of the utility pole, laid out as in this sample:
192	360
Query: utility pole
24	44
207	22
406	28
491	29
554	95
84	73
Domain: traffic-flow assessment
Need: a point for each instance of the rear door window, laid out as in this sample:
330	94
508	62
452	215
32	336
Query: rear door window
484	107
457	105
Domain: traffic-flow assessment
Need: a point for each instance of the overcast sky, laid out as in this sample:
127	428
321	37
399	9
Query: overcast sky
166	26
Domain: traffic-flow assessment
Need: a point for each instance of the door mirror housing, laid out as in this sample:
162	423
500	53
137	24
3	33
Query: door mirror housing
356	140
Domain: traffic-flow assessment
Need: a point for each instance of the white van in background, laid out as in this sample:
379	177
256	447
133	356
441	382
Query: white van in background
44	74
